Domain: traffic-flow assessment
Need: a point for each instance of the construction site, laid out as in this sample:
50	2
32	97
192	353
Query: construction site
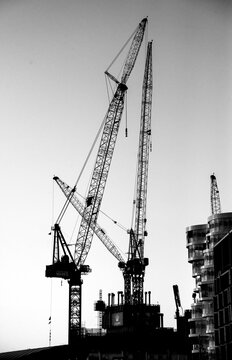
130	325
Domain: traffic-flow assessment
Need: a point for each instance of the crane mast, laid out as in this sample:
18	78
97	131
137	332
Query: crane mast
214	196
135	267
97	187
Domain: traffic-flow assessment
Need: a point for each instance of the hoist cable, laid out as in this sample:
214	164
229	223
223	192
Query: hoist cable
67	202
114	221
107	88
126	129
119	53
50	317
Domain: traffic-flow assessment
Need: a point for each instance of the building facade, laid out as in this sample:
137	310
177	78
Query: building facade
201	240
223	297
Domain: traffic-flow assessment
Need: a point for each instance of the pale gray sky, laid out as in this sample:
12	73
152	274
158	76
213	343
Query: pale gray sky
53	99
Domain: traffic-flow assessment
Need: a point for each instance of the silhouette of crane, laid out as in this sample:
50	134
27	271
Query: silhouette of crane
72	267
214	196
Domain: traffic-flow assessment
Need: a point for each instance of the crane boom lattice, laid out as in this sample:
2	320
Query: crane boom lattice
214	196
105	153
96	228
91	209
135	267
143	155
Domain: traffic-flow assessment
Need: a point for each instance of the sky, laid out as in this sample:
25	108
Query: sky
53	99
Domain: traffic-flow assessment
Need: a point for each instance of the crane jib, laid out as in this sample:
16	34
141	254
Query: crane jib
96	189
105	151
100	173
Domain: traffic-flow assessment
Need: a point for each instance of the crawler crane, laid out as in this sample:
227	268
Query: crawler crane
72	267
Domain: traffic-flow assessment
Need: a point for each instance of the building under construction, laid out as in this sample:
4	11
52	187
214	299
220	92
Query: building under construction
223	297
131	327
201	242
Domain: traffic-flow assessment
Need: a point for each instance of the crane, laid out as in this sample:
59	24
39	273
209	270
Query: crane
214	196
177	300
134	268
74	265
98	230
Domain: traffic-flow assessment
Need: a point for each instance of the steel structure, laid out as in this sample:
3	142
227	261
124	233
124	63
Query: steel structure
214	196
177	300
95	227
96	189
134	269
105	152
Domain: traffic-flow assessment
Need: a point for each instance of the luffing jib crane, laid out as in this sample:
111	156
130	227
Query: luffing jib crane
134	268
214	196
75	265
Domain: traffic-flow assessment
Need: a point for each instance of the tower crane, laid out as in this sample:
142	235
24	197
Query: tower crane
214	196
74	265
134	268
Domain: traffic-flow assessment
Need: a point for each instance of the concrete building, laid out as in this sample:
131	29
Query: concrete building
223	297
196	244
201	240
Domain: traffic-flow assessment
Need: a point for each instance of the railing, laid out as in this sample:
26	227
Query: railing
93	332
207	308
196	267
207	274
195	254
196	312
198	328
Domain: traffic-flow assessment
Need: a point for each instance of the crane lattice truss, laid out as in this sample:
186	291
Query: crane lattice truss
135	267
177	300
97	184
105	152
100	173
214	196
143	155
95	227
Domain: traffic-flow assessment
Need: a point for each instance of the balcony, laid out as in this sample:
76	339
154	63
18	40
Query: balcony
210	326
220	223
207	309
208	258
196	267
206	291
197	328
196	311
207	274
195	253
